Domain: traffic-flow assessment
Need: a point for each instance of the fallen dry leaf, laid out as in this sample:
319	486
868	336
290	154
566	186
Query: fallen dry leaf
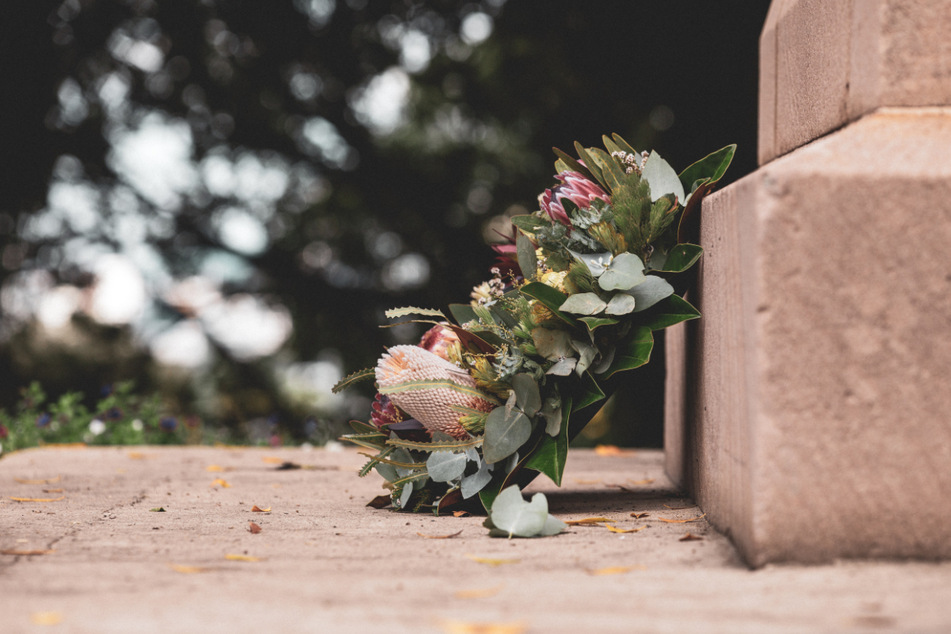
272	460
28	553
52	490
449	536
62	497
253	528
481	593
589	521
40	481
380	501
216	468
232	557
461	513
638	483
137	455
612	450
469	627
257	509
157	509
488	561
615	529
46	618
680	508
690	537
638	516
188	570
615	570
580	481
220	483
692	519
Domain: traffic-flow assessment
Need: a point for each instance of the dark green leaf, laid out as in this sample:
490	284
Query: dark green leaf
462	313
552	452
593	168
681	257
709	169
530	223
525	252
632	352
550	297
594	323
611	172
588	392
668	312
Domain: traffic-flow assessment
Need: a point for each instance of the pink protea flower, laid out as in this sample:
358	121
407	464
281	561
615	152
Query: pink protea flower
576	188
438	340
426	387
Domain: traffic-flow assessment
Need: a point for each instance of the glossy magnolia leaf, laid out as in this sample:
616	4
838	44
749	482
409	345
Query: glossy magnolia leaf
593	323
588	393
552	452
620	304
583	304
626	270
550	297
525	252
462	313
512	516
528	398
709	169
681	257
445	466
633	352
652	290
670	311
505	432
662	178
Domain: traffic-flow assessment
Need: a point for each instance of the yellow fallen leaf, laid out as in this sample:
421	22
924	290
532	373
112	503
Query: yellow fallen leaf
454	513
188	570
220	483
449	536
40	481
232	557
637	483
215	468
15	552
272	460
62	497
615	529
615	570
612	450
581	481
589	520
488	561
138	455
467	627
46	618
690	537
481	593
52	490
671	521
257	509
638	516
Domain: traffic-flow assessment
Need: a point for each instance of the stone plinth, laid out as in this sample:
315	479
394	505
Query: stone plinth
808	410
824	63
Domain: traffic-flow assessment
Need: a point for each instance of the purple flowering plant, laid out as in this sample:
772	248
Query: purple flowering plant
497	388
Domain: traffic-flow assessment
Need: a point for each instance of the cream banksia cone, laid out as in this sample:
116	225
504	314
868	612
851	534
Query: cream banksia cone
426	387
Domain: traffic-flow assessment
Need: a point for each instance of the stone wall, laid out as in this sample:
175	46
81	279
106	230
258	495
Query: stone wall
808	411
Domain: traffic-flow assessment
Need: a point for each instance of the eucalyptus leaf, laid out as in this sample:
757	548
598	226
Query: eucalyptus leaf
505	432
563	367
551	412
626	270
621	304
551	344
597	263
583	304
662	178
593	323
529	399
586	354
472	484
525	252
512	516
652	290
406	494
446	466
387	471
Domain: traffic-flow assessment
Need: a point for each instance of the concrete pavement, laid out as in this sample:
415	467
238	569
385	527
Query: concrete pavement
105	559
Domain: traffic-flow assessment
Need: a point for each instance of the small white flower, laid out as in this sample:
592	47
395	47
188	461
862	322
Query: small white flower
97	427
137	425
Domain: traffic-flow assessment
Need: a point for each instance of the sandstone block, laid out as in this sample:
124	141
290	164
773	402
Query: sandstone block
824	63
817	415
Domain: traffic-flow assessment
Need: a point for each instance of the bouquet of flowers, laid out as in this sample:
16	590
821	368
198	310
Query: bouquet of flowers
495	390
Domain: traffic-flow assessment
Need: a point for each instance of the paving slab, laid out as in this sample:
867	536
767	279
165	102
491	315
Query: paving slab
109	561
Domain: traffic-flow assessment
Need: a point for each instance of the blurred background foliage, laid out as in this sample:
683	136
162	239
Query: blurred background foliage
218	199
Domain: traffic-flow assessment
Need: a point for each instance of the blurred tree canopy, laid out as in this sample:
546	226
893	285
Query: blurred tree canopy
219	198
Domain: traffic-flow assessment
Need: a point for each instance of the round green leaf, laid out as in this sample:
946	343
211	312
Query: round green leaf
651	291
621	304
505	432
583	304
445	466
626	270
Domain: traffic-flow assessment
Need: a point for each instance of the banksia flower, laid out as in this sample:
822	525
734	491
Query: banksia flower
427	387
575	188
